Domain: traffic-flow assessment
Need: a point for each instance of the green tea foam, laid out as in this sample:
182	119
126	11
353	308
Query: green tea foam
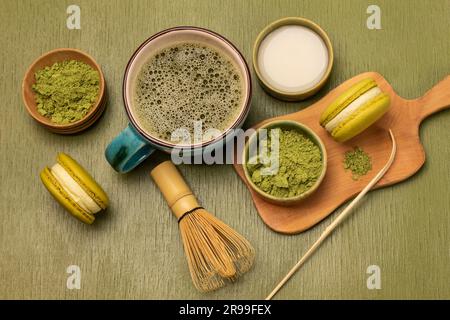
184	83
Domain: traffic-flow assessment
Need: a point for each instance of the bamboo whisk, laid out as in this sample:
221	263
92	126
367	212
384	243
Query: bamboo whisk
215	252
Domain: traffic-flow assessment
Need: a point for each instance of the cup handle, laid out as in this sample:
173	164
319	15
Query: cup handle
127	150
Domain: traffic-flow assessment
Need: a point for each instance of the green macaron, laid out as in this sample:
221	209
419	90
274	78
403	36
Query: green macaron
355	110
74	188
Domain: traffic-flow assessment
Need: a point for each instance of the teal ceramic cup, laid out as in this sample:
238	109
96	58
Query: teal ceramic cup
134	144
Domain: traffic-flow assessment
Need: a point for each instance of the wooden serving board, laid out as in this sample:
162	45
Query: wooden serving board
404	118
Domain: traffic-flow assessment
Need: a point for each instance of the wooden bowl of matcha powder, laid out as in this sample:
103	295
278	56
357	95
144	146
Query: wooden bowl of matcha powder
284	162
64	90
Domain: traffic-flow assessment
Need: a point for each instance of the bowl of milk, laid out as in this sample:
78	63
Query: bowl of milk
292	58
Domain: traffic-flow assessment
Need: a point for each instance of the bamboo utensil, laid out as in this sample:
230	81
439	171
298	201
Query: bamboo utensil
338	220
215	252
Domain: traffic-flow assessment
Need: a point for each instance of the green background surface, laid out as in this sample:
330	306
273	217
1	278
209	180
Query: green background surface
135	251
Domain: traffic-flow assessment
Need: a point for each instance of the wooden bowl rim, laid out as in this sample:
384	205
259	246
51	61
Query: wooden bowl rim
47	122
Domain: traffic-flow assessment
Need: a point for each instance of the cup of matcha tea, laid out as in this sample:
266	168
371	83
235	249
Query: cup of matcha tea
184	88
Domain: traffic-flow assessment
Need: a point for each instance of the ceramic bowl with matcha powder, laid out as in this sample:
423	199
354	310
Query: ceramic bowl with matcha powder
284	162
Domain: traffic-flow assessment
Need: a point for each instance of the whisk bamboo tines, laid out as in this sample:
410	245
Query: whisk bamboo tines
215	252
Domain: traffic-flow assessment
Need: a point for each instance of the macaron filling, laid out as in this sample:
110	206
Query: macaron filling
353	107
74	190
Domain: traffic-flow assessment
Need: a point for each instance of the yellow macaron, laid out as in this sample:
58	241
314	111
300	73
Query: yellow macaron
74	188
355	110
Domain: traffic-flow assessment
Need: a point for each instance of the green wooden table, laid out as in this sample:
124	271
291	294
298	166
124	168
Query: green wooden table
135	251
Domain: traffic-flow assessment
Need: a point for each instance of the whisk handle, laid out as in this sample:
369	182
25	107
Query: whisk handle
175	190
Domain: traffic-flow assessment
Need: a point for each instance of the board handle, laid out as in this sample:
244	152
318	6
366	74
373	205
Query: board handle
436	99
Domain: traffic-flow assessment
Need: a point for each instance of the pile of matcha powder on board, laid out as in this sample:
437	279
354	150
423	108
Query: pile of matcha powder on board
66	91
300	165
358	162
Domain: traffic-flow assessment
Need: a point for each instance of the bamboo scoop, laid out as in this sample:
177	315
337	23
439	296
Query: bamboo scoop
215	252
338	220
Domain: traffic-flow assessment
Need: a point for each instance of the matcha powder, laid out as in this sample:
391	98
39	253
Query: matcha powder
358	162
66	91
300	165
